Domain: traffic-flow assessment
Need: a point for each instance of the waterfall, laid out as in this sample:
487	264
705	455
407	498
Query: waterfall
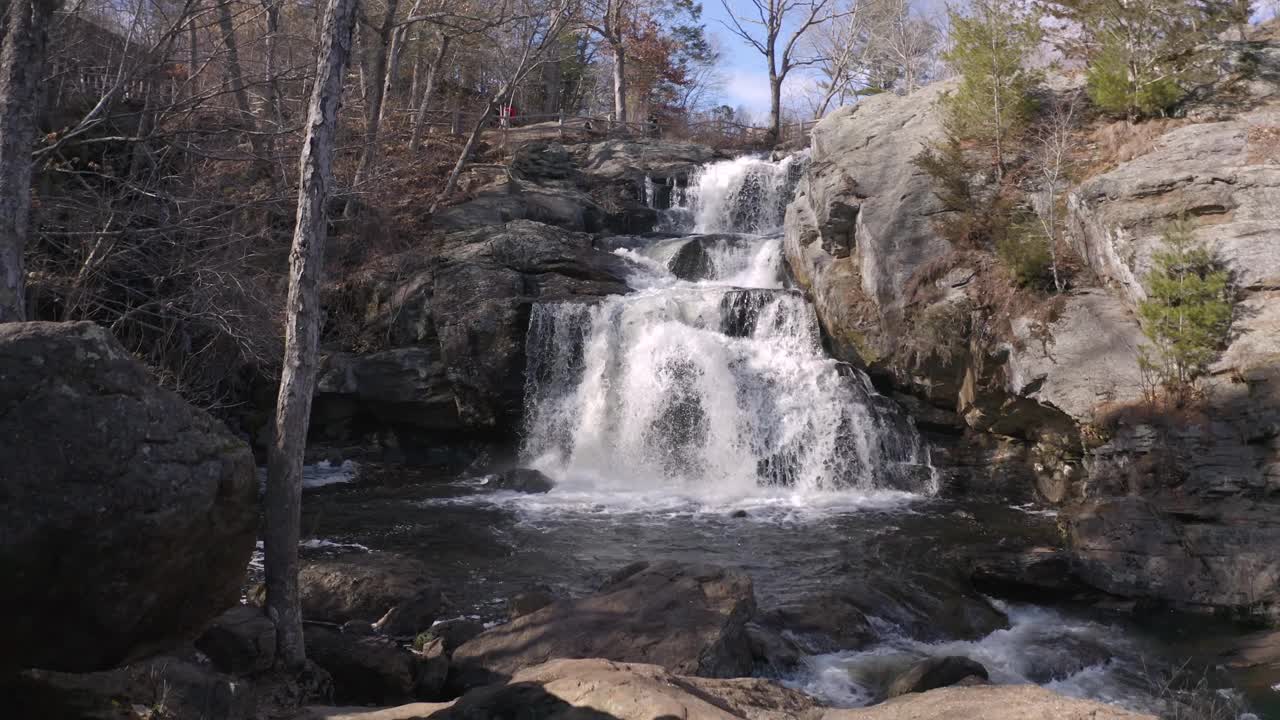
748	194
710	378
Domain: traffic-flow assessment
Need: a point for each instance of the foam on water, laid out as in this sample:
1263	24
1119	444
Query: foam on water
1072	656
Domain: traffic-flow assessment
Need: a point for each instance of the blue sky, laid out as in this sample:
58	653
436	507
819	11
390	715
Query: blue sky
746	79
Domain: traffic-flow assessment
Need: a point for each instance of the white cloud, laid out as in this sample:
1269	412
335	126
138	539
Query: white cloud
747	87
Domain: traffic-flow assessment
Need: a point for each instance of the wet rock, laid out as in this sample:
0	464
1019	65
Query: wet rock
1036	574
773	649
528	602
241	640
525	480
691	262
936	672
365	669
694	259
410	616
690	619
1062	656
989	702
822	623
591	689
1254	650
1197	556
129	544
362	586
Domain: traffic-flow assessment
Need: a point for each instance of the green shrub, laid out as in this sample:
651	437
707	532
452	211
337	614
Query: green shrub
979	210
1116	84
1024	250
1188	311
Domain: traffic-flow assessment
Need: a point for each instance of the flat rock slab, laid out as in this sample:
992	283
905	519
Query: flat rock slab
990	702
689	619
602	690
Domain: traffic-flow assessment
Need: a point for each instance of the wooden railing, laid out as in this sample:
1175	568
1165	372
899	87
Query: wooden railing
562	126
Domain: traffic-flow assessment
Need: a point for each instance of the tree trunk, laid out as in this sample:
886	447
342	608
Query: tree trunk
433	77
375	62
775	107
465	156
23	36
270	46
261	150
302	330
620	83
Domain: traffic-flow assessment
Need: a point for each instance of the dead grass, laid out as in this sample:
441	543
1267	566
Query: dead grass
1115	142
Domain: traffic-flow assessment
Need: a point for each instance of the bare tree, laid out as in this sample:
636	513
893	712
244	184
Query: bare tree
532	35
434	70
24	28
302	335
608	18
906	46
1054	159
845	48
235	78
765	31
375	43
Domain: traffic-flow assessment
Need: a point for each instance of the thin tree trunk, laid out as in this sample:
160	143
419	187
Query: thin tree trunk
261	150
270	46
398	39
23	37
302	330
433	76
465	156
375	71
620	84
194	49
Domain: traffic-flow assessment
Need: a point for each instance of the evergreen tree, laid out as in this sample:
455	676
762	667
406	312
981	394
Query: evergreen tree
1188	310
991	47
1142	52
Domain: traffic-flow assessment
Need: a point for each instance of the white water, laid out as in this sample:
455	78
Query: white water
716	388
1072	656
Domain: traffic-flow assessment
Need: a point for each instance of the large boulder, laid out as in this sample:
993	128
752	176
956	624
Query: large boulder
690	619
366	669
127	517
369	587
935	672
241	640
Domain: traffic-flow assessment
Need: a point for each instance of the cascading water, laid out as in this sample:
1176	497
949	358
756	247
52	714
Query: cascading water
710	379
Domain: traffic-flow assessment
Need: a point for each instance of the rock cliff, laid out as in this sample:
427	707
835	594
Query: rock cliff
1171	509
